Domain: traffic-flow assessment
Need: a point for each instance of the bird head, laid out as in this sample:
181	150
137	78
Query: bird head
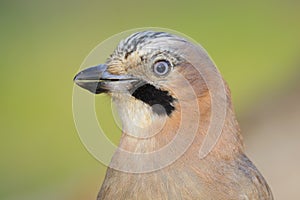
153	78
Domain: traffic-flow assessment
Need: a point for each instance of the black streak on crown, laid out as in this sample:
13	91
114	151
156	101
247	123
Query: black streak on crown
153	96
131	43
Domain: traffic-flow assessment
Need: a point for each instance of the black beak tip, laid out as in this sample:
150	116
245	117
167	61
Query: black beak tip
78	77
93	87
74	79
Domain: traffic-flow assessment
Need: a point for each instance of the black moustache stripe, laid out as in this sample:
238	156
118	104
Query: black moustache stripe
160	101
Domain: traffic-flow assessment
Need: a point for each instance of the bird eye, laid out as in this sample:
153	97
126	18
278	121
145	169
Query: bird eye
161	67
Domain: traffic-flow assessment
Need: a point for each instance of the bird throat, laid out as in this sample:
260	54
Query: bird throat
161	101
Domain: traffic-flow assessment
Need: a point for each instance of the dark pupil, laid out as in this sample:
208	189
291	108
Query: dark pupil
161	68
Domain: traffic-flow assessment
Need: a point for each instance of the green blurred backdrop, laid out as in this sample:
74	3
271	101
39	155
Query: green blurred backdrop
255	44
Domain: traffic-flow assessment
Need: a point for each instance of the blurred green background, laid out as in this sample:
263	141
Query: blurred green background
255	44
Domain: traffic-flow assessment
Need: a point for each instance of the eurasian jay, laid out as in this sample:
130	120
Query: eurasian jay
171	98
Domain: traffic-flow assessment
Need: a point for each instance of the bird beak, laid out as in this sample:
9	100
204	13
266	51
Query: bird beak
98	80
